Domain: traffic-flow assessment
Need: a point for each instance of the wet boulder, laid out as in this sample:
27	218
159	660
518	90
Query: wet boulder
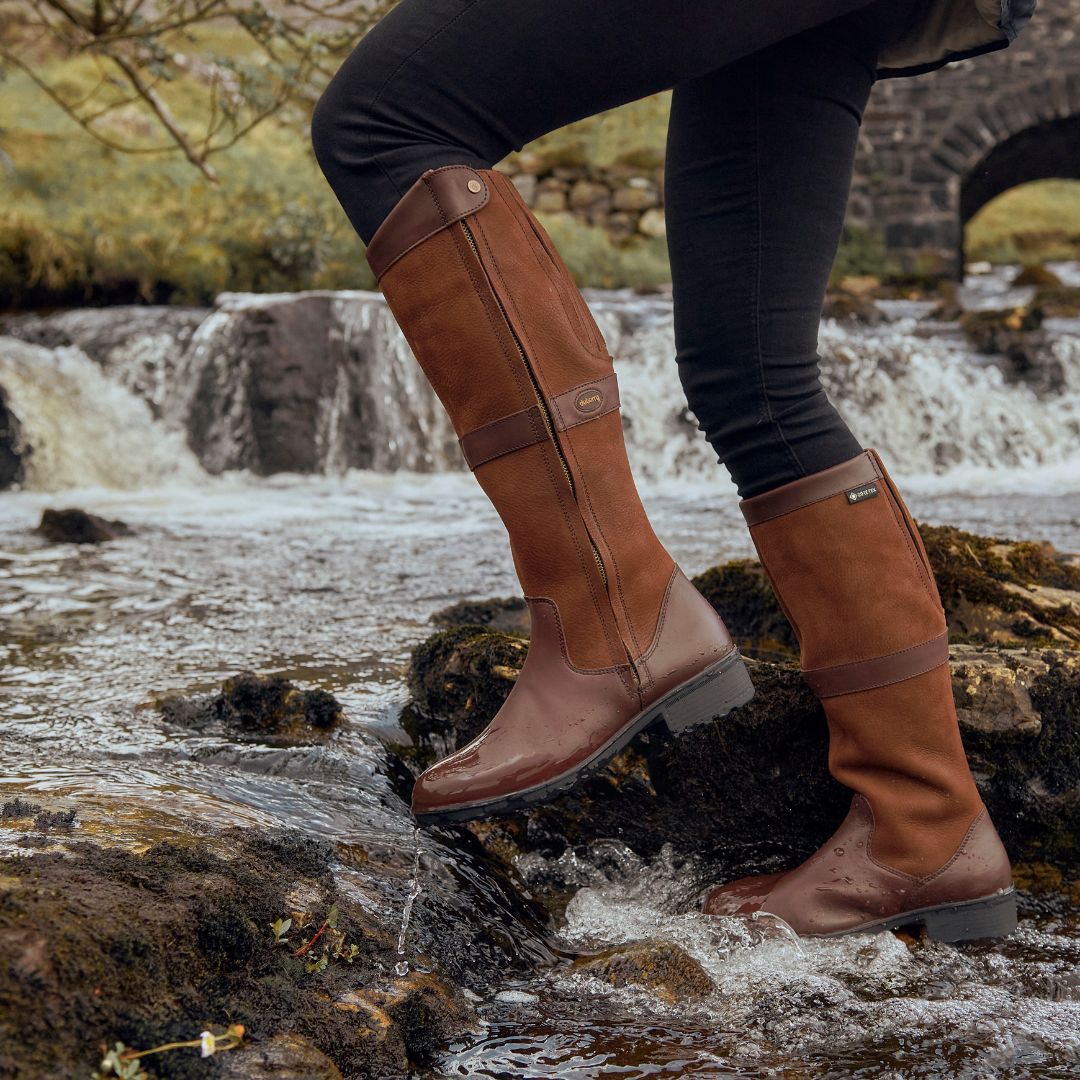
245	927
13	448
993	332
262	706
663	967
79	527
852	300
1004	592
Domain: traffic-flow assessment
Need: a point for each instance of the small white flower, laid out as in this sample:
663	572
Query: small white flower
206	1044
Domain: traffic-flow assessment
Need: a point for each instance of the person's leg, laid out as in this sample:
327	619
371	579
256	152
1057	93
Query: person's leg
757	174
444	82
759	164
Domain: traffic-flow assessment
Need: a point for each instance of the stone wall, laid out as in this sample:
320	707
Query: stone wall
624	199
933	150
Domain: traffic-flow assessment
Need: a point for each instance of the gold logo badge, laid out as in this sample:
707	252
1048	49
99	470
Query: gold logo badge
589	400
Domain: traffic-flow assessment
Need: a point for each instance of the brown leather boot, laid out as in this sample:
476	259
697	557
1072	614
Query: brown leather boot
917	847
620	638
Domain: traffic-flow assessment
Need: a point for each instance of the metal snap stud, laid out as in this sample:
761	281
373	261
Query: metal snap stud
474	186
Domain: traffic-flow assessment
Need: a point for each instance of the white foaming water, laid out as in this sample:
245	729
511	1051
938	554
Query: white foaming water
867	1004
86	429
917	392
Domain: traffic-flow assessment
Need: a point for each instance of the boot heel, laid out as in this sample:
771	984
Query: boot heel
714	693
995	917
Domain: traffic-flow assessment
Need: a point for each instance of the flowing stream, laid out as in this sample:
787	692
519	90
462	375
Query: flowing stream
331	578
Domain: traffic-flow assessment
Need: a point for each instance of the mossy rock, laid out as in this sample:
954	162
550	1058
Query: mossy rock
1036	274
994	332
263	706
741	592
458	679
1058	301
666	969
103	946
1004	592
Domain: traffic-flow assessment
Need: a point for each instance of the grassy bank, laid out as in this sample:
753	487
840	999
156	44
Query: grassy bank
80	223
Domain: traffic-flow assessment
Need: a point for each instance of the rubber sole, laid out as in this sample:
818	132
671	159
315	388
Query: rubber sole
712	693
987	917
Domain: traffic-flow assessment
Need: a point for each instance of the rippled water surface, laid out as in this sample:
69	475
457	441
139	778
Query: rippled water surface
331	582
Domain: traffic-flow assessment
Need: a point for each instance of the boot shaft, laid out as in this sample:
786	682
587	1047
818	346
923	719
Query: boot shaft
497	323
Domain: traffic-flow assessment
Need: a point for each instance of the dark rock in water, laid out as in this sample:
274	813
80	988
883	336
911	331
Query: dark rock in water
284	1057
996	331
157	948
853	300
663	967
754	789
508	613
1035	274
79	527
18	808
458	680
13	448
261	705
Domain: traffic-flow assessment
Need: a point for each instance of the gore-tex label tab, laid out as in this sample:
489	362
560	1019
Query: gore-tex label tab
861	494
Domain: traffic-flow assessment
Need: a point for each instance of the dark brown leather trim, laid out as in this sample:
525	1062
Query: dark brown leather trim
880	670
585	402
503	436
526	427
810	489
438	198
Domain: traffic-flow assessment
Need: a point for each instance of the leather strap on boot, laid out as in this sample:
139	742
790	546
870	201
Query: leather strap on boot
859	480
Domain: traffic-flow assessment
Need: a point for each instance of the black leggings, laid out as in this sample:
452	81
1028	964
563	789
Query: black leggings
768	98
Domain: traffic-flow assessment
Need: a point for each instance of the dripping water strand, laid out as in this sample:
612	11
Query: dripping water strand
401	968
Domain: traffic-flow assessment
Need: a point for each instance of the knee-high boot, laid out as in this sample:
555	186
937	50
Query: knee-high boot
620	638
917	847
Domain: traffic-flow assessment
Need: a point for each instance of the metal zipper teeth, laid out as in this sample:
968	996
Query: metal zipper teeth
540	401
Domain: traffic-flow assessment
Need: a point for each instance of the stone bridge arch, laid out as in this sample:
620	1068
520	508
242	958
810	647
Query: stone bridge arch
937	147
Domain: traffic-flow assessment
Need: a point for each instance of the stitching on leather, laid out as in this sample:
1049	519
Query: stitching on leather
447	221
809	502
869	660
507	450
622	671
537	436
555	276
891	682
893	499
643	660
924	881
584	488
556	487
869	847
592	416
925	575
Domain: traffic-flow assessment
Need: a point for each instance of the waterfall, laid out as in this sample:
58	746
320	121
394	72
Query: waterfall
85	429
325	382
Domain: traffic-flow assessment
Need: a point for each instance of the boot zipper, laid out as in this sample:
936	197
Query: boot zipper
551	433
540	401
